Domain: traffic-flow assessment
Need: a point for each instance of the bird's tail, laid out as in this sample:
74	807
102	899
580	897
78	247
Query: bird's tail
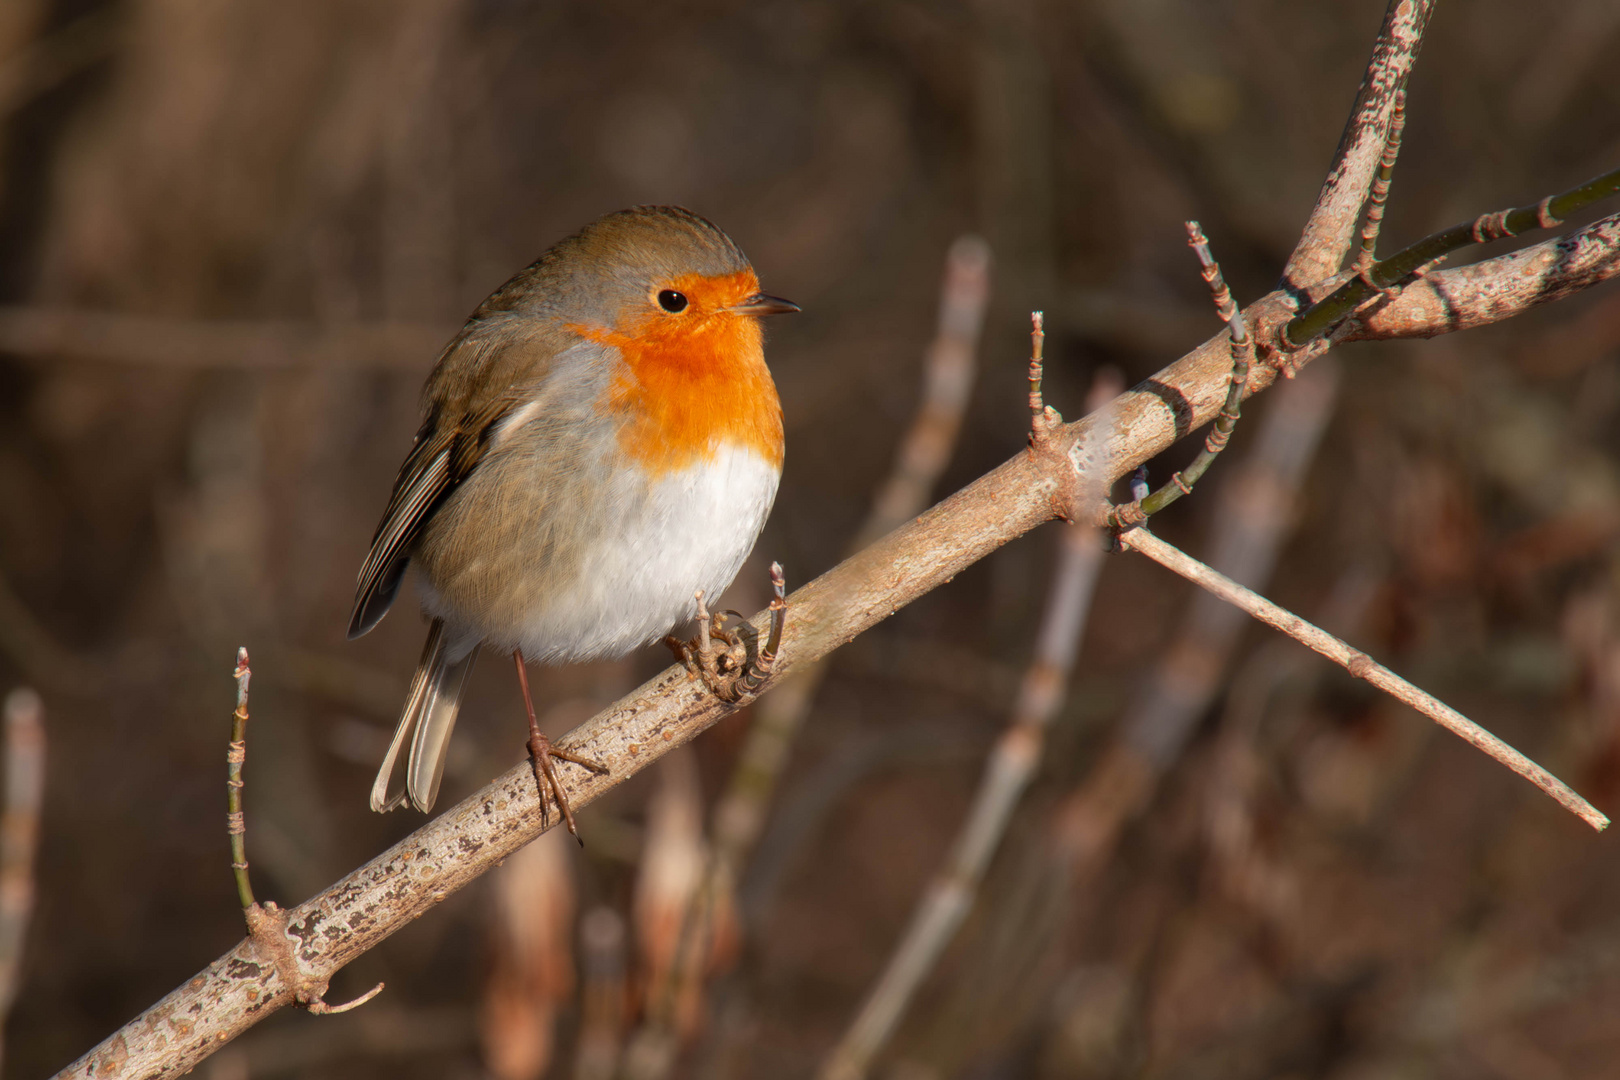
426	724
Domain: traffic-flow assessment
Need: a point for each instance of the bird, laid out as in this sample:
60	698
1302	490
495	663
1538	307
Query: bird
601	445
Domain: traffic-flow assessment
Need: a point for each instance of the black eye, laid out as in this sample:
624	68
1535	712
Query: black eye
672	301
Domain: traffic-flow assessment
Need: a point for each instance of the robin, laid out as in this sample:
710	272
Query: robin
602	444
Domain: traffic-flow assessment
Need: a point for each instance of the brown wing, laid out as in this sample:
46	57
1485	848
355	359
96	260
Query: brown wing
447	449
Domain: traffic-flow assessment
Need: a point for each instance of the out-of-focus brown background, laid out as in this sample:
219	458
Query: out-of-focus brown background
232	237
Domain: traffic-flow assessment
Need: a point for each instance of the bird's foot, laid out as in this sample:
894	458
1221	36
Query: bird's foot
543	756
737	670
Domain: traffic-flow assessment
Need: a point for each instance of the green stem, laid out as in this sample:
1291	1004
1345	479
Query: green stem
234	758
1182	483
1329	312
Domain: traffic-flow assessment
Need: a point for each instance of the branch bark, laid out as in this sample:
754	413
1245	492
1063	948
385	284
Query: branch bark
1331	228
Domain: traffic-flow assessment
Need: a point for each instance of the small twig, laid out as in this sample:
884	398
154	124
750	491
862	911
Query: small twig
1007	775
235	755
1391	275
1242	347
19	833
1380	186
266	923
1362	667
1038	428
948	373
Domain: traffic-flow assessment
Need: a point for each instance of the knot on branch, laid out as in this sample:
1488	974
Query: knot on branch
267	928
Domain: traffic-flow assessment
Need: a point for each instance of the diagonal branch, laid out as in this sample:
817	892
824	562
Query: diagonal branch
1361	666
1331	228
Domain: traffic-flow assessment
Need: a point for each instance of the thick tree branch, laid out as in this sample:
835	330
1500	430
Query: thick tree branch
1331	229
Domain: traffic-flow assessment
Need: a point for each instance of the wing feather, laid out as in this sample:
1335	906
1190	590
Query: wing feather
450	445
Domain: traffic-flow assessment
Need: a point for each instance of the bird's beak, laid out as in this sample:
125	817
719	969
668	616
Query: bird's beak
763	304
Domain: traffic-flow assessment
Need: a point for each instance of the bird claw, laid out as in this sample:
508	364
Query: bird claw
737	672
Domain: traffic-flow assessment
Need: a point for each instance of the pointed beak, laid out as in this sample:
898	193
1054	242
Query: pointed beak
763	304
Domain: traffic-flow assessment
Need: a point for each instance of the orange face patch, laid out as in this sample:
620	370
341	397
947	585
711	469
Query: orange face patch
697	379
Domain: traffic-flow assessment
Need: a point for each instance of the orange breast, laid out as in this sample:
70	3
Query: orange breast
696	381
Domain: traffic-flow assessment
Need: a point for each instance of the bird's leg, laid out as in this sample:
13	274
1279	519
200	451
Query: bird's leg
541	753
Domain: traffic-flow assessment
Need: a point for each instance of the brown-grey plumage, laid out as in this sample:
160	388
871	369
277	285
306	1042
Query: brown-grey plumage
507	345
534	531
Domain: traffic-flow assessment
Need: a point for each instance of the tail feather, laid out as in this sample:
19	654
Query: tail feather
425	724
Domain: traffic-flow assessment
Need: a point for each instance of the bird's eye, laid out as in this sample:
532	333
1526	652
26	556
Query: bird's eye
671	301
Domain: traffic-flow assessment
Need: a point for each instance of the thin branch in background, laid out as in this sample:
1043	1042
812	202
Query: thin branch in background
924	451
680	934
1388	275
110	337
55	57
1220	433
266	923
948	373
45	660
1362	667
1330	230
603	997
1251	520
1380	187
19	835
1011	767
531	973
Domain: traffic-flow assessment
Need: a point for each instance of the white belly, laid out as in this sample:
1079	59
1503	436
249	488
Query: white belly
689	530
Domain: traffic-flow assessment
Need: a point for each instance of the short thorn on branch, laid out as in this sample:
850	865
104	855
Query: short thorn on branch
1133	514
266	923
